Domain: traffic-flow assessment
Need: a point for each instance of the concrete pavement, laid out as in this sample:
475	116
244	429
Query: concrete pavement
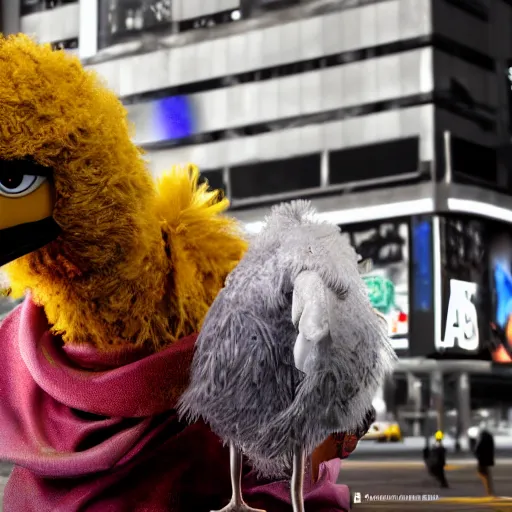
400	479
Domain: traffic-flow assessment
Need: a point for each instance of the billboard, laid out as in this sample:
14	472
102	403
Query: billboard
386	244
476	277
500	282
463	281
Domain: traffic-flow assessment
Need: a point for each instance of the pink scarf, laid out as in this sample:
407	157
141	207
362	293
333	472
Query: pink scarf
98	432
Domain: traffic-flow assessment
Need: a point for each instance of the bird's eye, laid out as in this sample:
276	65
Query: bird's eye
19	185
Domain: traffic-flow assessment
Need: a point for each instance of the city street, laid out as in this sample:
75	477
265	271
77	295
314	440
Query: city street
397	469
411	449
466	491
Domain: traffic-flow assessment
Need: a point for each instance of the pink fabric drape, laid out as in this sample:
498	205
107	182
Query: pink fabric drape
98	432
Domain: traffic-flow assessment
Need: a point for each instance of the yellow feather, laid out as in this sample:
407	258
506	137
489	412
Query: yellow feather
204	245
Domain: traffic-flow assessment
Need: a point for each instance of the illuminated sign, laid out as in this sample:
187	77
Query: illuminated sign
163	120
461	329
500	280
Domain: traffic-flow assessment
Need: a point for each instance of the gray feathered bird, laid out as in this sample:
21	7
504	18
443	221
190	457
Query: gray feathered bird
291	350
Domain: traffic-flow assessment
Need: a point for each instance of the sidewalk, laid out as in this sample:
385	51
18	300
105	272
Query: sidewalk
382	479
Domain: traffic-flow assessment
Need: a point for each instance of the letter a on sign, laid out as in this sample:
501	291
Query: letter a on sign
461	320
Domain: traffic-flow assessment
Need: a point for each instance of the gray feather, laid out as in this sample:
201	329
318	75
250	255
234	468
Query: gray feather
244	383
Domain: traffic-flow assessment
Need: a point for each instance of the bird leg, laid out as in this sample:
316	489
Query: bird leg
297	482
237	503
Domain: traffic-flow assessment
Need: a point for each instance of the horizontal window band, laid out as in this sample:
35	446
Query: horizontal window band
238	180
297	121
162	28
442	100
258	22
441	43
282	70
37	7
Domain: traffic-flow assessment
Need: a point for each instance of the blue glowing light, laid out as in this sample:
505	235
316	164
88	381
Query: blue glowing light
172	118
169	119
422	257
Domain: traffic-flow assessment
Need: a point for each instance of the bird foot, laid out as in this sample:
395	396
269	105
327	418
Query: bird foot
242	507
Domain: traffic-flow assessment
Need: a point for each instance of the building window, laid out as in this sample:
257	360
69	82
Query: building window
374	162
210	20
275	177
66	44
32	6
474	163
123	20
214	178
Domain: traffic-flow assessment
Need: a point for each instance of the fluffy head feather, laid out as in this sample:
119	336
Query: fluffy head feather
121	272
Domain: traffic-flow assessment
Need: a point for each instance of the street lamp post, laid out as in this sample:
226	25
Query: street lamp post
464	407
436	393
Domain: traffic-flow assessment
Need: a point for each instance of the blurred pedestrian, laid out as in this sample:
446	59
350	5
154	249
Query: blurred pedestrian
484	452
436	460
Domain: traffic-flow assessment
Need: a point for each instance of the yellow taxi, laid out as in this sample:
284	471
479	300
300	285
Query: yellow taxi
384	432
